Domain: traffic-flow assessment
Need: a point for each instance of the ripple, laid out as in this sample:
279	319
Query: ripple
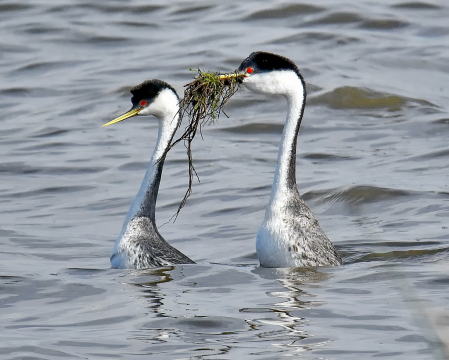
49	132
13	7
39	352
199	325
423	251
311	37
348	97
434	31
49	145
55	190
255	128
336	19
443	280
382	328
383	24
10	279
202	39
360	193
350	291
444	121
134	166
40	29
285	11
401	244
102	39
41	67
106	7
138	24
231	210
143	9
417	5
432	155
330	157
19	168
30	92
14	48
401	255
193	9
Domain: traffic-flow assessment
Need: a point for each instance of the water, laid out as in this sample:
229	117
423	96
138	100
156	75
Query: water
372	163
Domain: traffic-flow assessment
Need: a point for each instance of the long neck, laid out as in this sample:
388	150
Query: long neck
144	204
285	174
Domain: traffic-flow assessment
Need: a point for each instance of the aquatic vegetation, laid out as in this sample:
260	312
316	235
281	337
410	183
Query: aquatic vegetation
204	100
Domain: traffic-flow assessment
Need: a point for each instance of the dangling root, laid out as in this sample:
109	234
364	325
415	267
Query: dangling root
204	99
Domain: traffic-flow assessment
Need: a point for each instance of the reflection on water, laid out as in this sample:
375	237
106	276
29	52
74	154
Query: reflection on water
206	324
372	164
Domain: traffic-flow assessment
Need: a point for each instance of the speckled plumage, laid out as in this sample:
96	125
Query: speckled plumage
290	235
295	237
142	247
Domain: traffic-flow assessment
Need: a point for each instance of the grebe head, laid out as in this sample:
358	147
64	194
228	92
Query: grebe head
268	73
152	97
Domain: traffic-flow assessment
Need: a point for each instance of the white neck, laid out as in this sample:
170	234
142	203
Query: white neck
144	204
285	174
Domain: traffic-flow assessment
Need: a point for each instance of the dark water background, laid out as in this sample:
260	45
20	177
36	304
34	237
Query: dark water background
372	162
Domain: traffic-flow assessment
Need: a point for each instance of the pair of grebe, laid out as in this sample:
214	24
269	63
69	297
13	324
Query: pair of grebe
290	235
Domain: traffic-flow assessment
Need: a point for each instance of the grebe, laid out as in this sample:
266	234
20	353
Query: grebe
290	235
139	245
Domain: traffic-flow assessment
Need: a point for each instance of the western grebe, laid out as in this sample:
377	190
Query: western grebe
290	235
139	245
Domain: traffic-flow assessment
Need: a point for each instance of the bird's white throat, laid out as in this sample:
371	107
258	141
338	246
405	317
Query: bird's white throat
282	82
288	84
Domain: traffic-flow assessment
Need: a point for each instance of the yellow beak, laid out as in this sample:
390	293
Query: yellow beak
127	115
230	76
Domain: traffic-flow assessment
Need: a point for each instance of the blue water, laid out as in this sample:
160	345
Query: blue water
372	163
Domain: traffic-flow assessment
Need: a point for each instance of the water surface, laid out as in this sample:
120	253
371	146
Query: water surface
372	163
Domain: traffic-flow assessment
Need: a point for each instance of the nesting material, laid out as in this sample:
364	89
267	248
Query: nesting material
204	100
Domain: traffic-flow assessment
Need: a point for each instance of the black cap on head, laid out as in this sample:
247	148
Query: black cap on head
264	62
149	90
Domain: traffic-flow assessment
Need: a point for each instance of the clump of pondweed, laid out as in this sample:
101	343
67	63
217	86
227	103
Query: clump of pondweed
204	100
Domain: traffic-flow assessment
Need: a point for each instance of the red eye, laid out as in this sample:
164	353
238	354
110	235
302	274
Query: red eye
250	70
143	102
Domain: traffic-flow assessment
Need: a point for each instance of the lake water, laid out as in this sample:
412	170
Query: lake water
372	162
